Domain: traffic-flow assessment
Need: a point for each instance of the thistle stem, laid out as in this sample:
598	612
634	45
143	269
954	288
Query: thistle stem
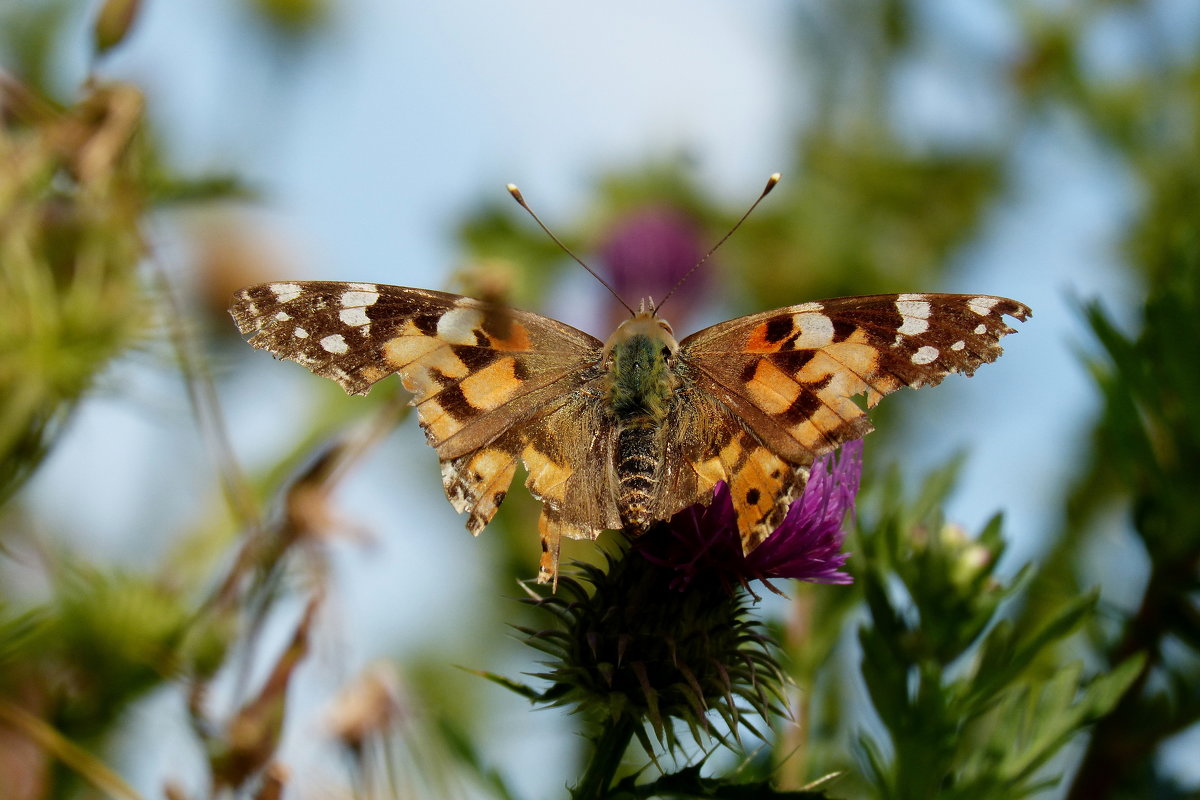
610	748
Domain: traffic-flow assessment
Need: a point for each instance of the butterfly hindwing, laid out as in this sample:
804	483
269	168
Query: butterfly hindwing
569	453
477	483
710	443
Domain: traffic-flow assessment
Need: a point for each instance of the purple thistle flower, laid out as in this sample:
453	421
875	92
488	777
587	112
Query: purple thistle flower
648	250
704	541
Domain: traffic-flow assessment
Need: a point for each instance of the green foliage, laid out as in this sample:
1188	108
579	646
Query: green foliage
862	216
69	245
70	667
115	636
967	713
19	633
1150	436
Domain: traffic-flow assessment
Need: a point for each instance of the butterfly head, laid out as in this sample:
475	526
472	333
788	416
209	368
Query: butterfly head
645	324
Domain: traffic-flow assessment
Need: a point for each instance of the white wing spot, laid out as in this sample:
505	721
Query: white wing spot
359	298
458	325
981	328
816	330
335	343
283	316
354	317
286	292
982	305
363	287
805	308
913	308
959	345
926	355
300	333
915	312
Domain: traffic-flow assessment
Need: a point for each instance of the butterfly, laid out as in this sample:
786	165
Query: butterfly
626	432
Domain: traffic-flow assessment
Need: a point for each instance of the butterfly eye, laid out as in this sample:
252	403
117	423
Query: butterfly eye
666	353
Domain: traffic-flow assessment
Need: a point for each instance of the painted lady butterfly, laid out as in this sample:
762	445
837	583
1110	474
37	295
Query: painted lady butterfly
622	433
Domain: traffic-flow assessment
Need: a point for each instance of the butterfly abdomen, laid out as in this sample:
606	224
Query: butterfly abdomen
640	386
638	457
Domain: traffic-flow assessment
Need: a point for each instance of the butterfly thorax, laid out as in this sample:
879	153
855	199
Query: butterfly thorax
641	380
638	358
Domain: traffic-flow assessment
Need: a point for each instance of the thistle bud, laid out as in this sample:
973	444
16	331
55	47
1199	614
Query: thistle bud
113	23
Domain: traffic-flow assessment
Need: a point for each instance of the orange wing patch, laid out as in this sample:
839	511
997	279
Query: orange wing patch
779	332
552	527
770	388
548	478
762	487
478	482
492	386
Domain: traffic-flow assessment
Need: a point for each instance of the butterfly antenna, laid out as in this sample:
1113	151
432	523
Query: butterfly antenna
516	193
771	181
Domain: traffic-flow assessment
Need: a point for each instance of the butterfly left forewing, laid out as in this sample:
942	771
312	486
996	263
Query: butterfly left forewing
792	375
477	371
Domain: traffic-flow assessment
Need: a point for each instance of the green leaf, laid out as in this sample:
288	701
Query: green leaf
528	692
1005	653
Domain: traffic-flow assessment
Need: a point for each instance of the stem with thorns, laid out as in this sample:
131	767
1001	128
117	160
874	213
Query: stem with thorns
606	758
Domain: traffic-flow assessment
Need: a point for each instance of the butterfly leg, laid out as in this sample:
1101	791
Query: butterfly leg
552	528
551	535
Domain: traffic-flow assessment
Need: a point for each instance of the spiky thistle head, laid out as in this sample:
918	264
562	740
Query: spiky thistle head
629	648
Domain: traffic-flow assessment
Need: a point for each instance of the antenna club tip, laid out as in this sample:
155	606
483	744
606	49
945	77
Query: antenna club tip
771	181
514	191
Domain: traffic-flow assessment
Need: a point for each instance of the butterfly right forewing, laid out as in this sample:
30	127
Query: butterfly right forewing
791	375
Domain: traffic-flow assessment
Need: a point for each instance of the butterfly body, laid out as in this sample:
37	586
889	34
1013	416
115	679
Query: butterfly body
623	433
642	382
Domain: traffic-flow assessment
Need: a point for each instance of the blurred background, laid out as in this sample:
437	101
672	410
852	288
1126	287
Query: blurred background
1043	150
